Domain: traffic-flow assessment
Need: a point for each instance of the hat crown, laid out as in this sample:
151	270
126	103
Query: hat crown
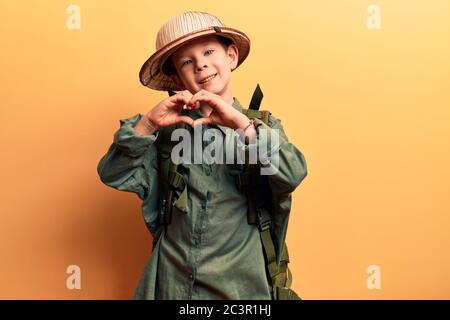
183	24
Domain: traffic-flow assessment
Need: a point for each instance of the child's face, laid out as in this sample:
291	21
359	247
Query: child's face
201	58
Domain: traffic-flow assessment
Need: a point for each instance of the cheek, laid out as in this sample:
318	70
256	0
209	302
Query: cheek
186	77
225	72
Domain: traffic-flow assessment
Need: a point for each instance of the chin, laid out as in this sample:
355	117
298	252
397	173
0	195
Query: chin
215	88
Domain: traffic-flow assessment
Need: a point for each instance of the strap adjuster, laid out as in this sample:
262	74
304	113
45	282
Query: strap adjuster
264	220
176	180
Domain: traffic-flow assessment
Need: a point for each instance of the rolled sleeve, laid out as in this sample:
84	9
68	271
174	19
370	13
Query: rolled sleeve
130	160
129	141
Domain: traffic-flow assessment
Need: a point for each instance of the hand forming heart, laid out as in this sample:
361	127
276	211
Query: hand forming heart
222	113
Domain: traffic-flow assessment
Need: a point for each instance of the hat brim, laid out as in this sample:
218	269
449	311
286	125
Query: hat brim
151	74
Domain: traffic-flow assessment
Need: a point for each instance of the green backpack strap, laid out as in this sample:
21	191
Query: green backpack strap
170	181
176	179
249	173
281	283
257	97
252	183
175	182
279	275
253	111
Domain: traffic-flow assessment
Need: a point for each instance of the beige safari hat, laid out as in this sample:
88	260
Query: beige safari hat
176	32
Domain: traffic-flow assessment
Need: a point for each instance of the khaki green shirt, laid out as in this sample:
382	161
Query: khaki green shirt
211	252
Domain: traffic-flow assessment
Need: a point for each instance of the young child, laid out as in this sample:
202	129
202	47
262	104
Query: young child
207	249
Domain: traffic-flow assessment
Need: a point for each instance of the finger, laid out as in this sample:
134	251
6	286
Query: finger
178	101
199	94
195	106
181	98
186	93
202	121
211	100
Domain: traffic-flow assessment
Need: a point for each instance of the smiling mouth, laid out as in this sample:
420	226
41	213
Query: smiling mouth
208	79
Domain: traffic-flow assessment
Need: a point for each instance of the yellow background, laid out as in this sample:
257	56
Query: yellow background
368	108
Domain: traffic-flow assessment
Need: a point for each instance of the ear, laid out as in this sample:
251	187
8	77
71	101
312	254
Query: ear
233	55
177	81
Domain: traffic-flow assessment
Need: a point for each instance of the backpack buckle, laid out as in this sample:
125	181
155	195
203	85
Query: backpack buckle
264	220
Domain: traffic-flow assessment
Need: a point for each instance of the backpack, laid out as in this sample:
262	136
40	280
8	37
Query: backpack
254	185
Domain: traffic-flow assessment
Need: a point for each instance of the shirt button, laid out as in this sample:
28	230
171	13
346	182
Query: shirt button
191	276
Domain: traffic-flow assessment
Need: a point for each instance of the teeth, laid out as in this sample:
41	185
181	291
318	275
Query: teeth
209	78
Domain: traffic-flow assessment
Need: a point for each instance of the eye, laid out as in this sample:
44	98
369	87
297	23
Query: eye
186	62
208	52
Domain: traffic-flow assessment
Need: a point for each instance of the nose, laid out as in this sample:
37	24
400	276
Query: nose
200	64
